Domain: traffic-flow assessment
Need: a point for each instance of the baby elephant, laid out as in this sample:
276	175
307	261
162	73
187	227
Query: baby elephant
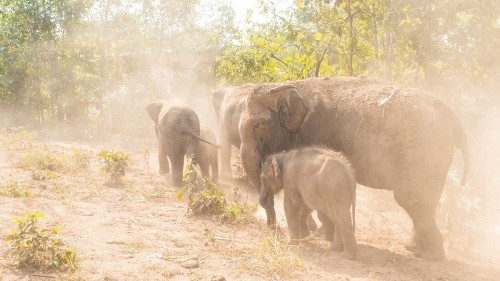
313	179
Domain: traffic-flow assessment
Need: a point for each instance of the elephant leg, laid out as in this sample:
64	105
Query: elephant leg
305	216
163	159
177	161
214	164
327	225
427	240
204	168
337	244
225	157
293	206
343	227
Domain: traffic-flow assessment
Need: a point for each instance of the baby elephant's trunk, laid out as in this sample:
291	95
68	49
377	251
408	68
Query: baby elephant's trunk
266	198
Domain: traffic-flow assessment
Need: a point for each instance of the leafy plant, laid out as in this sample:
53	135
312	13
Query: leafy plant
44	159
81	159
206	198
19	136
13	189
31	247
113	163
276	256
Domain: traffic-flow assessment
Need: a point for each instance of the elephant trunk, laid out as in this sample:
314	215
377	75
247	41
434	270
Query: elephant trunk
266	198
251	161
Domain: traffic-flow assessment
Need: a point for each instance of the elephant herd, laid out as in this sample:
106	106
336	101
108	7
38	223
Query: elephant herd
316	138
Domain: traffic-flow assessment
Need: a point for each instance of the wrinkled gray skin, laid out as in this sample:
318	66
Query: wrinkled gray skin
396	138
313	178
207	155
228	105
177	130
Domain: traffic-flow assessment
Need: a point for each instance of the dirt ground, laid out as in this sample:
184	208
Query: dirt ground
140	231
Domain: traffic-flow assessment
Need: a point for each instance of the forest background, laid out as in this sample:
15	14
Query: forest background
98	63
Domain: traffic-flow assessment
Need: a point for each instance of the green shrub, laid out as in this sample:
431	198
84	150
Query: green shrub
19	136
275	256
206	198
44	159
13	189
31	247
81	159
113	163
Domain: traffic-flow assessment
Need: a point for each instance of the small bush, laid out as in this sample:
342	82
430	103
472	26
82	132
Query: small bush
19	136
206	198
13	189
113	163
276	257
81	159
44	159
31	247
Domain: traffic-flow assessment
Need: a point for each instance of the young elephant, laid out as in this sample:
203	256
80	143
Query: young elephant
313	179
178	132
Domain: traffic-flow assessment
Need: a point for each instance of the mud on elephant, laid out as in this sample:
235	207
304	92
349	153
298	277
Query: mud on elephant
178	132
396	137
313	179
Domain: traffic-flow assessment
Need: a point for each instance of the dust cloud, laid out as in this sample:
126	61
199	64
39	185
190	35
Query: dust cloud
180	66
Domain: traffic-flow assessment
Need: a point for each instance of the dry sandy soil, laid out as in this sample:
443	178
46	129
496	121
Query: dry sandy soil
142	232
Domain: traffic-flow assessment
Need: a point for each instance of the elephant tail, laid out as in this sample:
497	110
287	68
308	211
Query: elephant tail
194	135
461	142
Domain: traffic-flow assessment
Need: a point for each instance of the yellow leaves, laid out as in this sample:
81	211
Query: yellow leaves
318	36
299	4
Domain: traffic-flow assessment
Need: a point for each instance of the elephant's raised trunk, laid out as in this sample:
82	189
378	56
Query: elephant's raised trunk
251	161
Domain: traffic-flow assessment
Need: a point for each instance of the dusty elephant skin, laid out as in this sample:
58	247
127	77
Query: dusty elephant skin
178	132
207	155
228	104
396	138
313	179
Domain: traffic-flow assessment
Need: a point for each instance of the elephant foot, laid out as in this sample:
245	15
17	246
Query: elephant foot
304	234
426	253
321	231
226	176
349	255
336	246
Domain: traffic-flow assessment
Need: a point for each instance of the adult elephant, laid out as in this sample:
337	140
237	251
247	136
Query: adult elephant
228	104
178	132
396	137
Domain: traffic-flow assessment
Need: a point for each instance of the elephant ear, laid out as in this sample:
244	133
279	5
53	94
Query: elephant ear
154	109
276	169
290	105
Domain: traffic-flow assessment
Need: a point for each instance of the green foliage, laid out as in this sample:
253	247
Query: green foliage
31	247
275	256
113	163
81	159
44	159
206	198
13	189
43	162
19	137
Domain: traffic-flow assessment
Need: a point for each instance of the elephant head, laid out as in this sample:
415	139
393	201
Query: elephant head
268	124
271	180
154	110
